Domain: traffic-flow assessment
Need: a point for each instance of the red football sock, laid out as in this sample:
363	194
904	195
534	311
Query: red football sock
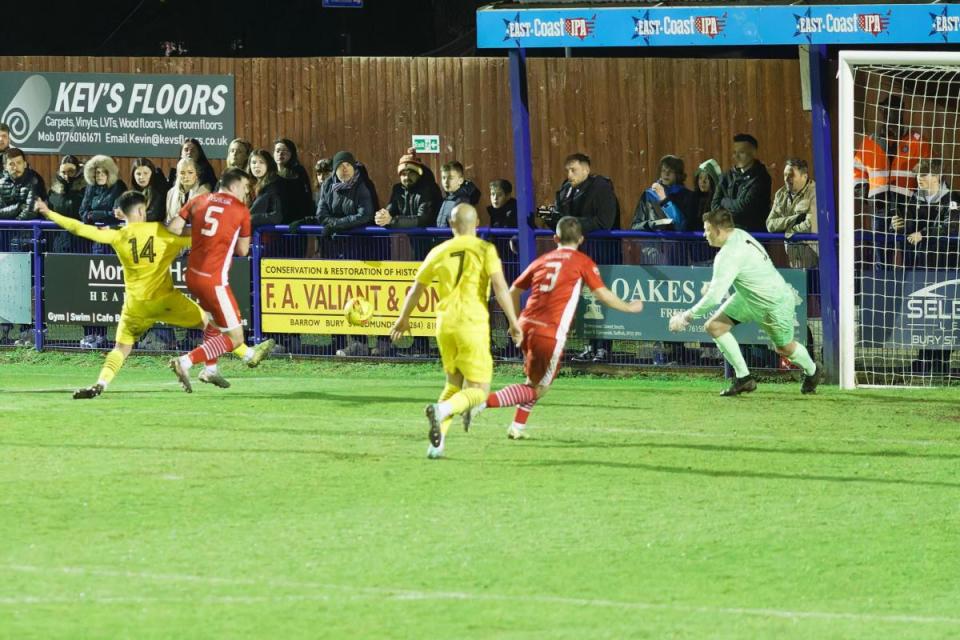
211	349
512	395
523	412
209	333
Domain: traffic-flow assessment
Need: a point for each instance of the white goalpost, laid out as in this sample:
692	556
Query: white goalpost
899	217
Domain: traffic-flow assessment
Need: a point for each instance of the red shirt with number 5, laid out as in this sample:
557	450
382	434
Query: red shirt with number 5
217	220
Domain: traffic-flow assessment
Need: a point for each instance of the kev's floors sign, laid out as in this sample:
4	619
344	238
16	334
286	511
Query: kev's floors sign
117	114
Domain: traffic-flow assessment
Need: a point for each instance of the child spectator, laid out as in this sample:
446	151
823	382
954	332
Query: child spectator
667	205
503	207
705	180
456	190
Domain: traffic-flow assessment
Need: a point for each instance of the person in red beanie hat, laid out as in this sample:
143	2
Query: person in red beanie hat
413	200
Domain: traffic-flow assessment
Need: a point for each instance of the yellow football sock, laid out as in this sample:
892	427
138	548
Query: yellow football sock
466	400
111	366
241	351
448	391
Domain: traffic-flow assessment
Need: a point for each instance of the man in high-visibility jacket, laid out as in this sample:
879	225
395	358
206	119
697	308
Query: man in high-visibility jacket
883	163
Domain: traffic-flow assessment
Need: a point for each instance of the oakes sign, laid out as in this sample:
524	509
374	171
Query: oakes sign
665	292
117	114
88	289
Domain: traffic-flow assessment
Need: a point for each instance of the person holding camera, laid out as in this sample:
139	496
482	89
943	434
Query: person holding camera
590	199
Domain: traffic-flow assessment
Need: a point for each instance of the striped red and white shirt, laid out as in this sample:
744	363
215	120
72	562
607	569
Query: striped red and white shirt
554	281
217	220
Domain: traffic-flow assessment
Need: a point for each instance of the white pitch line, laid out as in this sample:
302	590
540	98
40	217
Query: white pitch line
400	594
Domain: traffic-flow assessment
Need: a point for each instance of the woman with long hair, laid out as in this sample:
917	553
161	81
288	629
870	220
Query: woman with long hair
268	195
289	168
186	186
192	149
148	180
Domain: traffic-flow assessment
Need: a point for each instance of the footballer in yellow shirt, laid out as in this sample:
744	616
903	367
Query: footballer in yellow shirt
464	267
146	250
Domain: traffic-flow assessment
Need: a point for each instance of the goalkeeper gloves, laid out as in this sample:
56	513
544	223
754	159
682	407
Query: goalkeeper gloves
680	321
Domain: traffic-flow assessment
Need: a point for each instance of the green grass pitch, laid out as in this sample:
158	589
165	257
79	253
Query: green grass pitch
299	504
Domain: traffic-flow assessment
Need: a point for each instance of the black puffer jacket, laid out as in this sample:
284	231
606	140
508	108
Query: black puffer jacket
413	207
66	194
745	194
17	196
505	216
467	192
593	202
346	207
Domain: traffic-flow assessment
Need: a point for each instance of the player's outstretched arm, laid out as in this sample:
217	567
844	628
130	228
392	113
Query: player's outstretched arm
505	300
176	226
725	270
77	228
516	293
608	298
402	325
243	246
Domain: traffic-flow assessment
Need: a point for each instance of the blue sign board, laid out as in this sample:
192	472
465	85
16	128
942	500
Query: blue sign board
343	4
910	308
880	24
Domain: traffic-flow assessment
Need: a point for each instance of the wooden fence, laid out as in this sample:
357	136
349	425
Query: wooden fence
623	112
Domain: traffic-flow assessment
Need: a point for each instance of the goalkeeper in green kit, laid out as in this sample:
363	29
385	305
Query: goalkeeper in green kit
761	295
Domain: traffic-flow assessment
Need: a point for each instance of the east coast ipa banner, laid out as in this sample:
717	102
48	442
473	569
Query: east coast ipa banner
308	296
15	290
117	114
666	291
88	289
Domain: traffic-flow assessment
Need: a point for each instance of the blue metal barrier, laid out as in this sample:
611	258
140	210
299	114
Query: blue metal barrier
377	243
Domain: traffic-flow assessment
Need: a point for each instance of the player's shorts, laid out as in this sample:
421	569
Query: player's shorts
138	316
541	358
778	321
217	300
468	353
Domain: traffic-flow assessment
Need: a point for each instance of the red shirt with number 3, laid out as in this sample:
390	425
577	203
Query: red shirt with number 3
554	280
217	220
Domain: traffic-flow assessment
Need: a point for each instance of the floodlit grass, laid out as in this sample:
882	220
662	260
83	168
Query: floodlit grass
300	503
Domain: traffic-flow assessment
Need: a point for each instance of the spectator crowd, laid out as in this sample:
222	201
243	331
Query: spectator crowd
900	187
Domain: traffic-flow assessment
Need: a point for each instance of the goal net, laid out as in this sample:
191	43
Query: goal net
899	218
